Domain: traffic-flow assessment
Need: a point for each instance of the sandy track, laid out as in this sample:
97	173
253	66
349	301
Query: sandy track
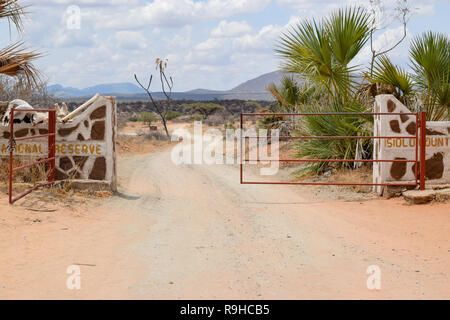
193	232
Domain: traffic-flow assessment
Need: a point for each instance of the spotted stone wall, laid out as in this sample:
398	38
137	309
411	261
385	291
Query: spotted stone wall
437	145
85	147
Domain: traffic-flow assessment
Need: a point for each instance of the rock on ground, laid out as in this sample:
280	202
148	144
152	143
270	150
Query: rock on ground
419	196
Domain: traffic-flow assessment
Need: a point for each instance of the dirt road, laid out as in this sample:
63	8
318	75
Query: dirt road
193	232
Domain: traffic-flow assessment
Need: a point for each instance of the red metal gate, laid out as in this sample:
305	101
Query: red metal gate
420	140
50	160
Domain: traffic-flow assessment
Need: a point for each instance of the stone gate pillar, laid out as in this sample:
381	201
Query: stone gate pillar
437	145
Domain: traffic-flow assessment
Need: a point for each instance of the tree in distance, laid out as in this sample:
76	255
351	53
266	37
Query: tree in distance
205	109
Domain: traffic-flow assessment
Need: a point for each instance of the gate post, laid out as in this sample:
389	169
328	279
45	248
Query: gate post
240	149
11	147
51	145
423	145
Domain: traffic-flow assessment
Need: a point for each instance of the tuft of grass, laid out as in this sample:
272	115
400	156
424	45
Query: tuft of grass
33	175
61	193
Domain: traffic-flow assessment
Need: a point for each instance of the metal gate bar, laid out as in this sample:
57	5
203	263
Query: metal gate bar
422	142
423	145
50	160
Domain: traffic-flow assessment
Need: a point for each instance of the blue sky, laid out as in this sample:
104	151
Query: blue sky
213	44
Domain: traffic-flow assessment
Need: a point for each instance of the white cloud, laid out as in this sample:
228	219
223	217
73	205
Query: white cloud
388	38
176	13
265	39
385	41
389	14
209	43
237	40
89	2
231	29
181	40
131	40
71	38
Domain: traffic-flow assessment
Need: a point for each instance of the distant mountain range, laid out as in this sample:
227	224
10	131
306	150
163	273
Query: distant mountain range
254	89
125	88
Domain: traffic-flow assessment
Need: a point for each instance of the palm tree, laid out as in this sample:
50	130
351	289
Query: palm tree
322	51
384	71
287	94
15	60
430	61
292	96
336	125
430	78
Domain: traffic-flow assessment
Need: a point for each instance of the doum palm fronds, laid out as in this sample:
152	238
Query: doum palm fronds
322	51
430	77
287	94
334	125
15	61
388	73
13	11
292	95
430	61
349	31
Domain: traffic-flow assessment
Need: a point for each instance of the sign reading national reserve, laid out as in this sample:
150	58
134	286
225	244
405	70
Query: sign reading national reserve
63	148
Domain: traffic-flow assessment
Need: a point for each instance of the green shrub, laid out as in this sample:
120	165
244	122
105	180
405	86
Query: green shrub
133	119
147	117
204	108
334	125
196	117
170	115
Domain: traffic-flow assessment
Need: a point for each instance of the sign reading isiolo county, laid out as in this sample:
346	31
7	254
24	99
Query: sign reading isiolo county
411	143
398	121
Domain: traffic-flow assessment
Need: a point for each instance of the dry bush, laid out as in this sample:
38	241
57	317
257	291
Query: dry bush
183	118
156	135
359	175
22	179
11	89
134	145
122	121
215	120
33	175
61	193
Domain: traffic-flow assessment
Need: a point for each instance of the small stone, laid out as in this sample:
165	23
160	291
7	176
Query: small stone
419	196
392	191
